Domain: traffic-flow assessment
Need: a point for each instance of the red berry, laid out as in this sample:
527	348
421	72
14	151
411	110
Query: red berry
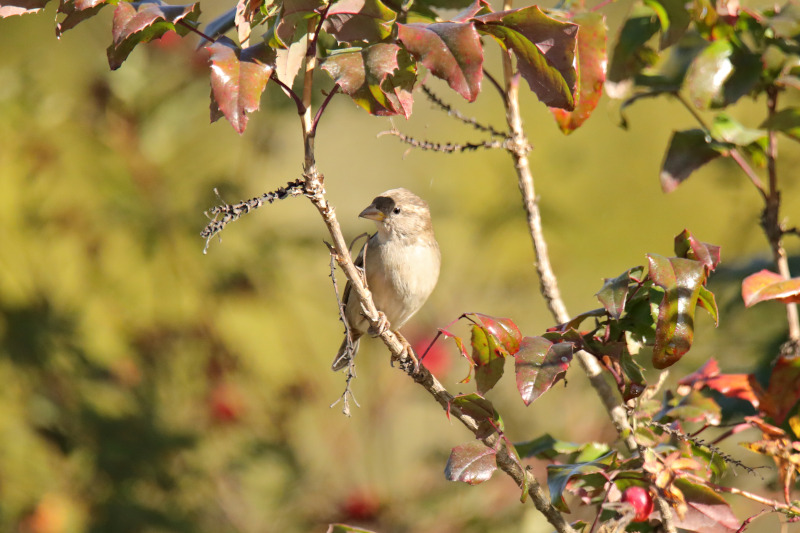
640	499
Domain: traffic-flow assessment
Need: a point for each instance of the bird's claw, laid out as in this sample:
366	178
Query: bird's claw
381	327
406	356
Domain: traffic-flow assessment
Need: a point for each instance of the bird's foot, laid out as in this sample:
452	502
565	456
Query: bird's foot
407	356
381	327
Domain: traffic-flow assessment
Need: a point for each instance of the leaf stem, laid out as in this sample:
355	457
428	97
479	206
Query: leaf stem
195	30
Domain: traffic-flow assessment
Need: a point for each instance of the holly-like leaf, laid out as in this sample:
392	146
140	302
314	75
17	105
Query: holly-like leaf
688	150
614	294
482	410
9	8
544	48
591	59
706	510
765	285
76	11
559	475
681	280
471	463
539	364
786	121
504	330
238	77
359	20
292	23
141	22
379	78
452	51
686	245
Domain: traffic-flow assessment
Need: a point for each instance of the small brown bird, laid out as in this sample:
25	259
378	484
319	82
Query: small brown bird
401	264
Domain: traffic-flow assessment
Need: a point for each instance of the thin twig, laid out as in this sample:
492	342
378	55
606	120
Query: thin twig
351	367
496	85
455	113
774	504
447	148
301	108
195	30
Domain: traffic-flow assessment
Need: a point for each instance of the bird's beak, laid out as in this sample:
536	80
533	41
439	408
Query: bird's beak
372	213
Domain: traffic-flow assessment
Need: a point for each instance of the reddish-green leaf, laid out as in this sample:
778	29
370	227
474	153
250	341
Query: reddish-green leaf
786	121
141	22
10	8
379	78
559	475
504	330
76	11
688	151
539	364
783	390
706	510
766	285
614	294
681	280
482	410
359	20
292	24
591	59
471	463
730	385
687	246
238	77
489	359
545	51
452	51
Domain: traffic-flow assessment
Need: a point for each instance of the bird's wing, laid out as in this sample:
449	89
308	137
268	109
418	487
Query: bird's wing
359	263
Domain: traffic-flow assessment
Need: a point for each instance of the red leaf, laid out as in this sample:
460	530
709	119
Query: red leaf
452	51
76	11
706	510
686	245
503	329
9	8
238	77
730	385
591	59
359	20
783	390
539	364
471	463
766	285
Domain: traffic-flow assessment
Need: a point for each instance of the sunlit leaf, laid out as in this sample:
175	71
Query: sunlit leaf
359	20
471	463
686	245
614	294
706	510
379	78
504	330
482	410
708	73
765	285
238	77
76	11
141	22
681	280
10	8
452	51
344	528
489	359
292	23
727	129
591	59
544	48
539	364
694	407
688	151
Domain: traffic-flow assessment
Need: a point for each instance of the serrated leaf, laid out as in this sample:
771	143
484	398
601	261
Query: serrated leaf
9	8
686	245
706	510
503	329
379	78
359	20
452	51
688	151
591	59
471	463
292	22
76	11
614	294
539	364
681	280
482	410
544	48
238	77
559	475
141	22
765	285
786	121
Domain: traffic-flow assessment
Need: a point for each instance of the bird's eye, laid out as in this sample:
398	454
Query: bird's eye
396	210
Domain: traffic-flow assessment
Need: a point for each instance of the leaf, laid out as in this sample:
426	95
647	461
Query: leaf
238	77
708	73
687	246
765	285
630	54
489	359
635	373
786	121
694	407
681	280
222	24
379	78
359	20
591	58
292	23
727	129
482	410
504	330
674	19
539	364
344	528
544	48
783	391
737	386
76	11
471	463
559	475
9	8
614	294
688	150
452	51
141	22
706	510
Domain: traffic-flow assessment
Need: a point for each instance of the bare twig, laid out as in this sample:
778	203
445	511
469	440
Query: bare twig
447	148
455	113
774	504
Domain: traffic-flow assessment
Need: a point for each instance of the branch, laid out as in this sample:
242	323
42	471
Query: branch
774	504
447	148
455	113
231	212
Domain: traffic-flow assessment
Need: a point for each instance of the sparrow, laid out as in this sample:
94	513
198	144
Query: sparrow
401	265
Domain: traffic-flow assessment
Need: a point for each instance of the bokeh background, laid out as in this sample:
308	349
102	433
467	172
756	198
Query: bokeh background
147	387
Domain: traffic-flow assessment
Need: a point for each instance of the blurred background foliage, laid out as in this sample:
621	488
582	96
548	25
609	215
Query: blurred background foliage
148	387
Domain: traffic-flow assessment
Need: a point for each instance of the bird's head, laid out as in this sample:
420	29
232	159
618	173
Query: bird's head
400	213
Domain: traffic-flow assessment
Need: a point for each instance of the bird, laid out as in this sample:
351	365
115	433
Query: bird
401	263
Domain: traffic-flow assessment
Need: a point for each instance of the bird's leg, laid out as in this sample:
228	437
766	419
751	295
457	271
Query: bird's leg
406	354
381	327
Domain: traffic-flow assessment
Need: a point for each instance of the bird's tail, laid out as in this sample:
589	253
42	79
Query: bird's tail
346	352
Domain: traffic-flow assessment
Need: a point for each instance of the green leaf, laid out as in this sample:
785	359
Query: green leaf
292	23
481	410
238	77
539	364
674	19
359	20
727	129
344	528
635	374
688	151
452	51
591	58
687	246
544	48
471	463
489	359
681	280
694	407
559	475
630	54
786	121
708	73
141	22
503	329
379	78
